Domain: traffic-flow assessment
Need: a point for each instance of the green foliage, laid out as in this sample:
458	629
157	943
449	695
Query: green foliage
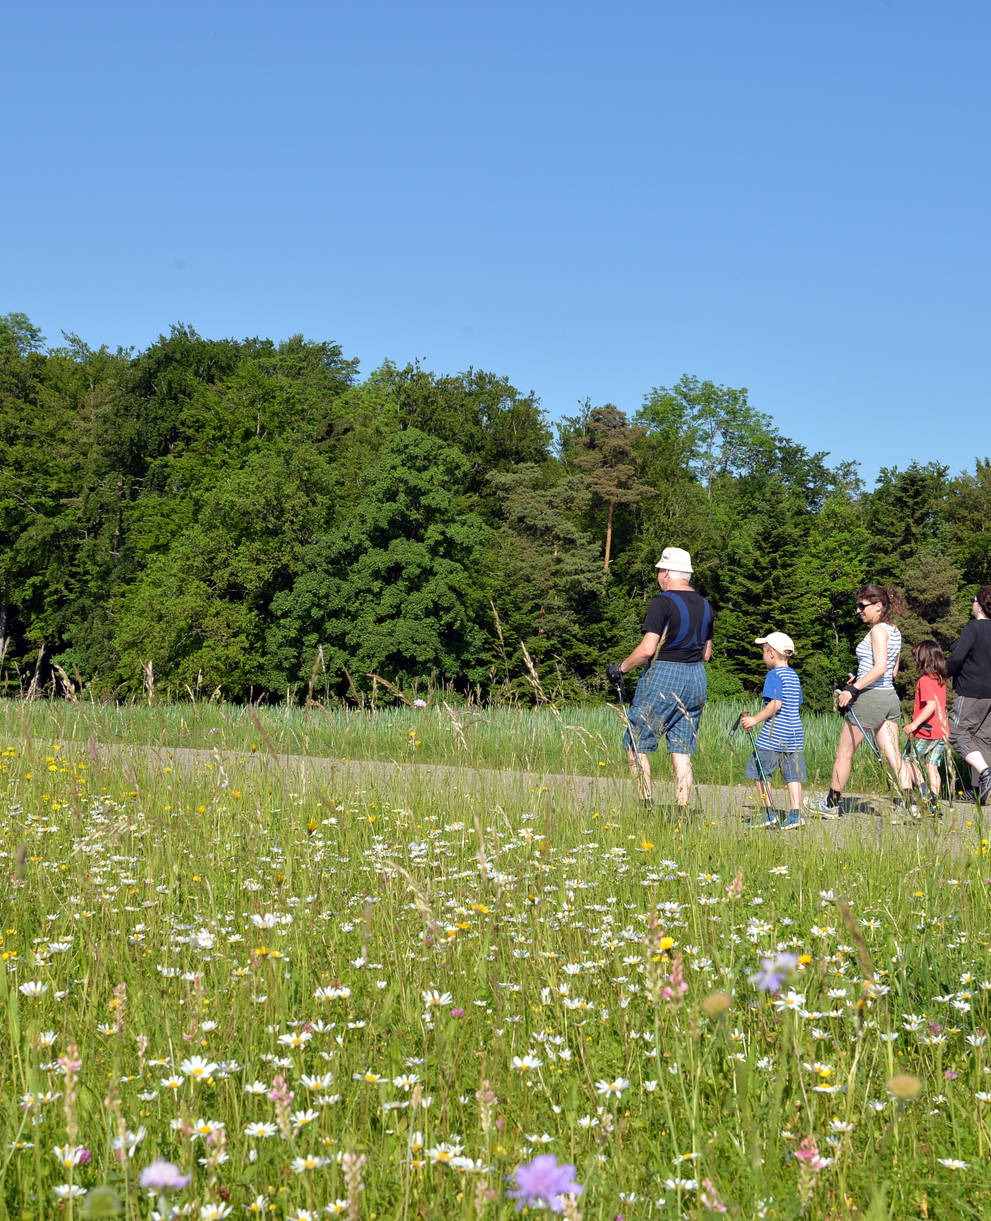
968	511
199	612
605	453
833	564
905	515
723	684
237	512
545	579
930	584
710	430
393	591
19	336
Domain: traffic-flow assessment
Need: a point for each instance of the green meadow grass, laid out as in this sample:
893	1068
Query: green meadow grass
584	740
453	973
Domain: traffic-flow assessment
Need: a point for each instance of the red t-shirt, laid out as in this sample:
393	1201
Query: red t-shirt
930	688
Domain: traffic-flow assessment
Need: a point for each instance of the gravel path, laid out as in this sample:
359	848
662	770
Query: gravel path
867	821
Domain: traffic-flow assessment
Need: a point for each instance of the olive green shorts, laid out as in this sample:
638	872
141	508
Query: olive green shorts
875	706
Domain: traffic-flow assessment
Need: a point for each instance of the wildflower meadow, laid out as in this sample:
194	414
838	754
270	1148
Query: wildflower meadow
244	975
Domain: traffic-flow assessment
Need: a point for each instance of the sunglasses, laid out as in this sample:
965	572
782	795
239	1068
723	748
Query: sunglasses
864	605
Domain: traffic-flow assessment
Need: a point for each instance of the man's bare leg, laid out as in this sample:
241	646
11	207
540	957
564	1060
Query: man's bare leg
640	769
683	778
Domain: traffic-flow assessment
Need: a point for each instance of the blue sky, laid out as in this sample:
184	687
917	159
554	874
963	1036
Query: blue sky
589	199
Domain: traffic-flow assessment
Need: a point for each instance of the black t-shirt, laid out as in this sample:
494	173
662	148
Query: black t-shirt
969	663
683	620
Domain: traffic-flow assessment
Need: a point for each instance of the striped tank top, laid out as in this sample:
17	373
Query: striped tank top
865	657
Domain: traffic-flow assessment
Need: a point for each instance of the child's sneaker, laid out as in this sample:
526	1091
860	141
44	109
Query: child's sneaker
793	820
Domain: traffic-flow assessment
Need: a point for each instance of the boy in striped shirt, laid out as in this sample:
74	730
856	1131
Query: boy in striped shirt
781	740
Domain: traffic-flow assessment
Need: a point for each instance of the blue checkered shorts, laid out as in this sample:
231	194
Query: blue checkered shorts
668	702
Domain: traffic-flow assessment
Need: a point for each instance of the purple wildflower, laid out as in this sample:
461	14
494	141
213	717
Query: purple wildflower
419	703
542	1183
163	1176
709	1200
773	972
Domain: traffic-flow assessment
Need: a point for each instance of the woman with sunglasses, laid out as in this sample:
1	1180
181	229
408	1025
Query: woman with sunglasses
872	690
969	665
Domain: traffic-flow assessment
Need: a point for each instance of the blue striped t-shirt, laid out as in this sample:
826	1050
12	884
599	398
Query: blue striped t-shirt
783	731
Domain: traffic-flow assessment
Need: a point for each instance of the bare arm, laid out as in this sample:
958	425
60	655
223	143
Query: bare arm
928	710
771	708
644	651
879	649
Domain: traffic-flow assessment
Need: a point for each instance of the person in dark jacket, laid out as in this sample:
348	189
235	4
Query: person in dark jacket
969	665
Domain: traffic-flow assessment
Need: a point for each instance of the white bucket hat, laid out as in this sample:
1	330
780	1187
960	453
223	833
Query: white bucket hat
675	559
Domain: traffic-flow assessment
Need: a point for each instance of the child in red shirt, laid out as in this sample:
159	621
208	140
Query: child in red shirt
927	730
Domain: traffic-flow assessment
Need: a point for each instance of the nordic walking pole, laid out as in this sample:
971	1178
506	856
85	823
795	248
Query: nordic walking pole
872	743
949	767
765	783
868	736
950	775
765	790
917	763
634	739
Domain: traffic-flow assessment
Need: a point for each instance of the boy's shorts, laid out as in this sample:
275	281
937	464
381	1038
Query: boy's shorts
925	750
791	762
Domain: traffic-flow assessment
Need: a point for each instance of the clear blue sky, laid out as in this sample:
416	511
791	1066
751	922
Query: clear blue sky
590	199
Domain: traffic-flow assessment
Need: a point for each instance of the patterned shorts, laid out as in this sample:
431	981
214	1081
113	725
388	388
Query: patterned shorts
668	702
925	750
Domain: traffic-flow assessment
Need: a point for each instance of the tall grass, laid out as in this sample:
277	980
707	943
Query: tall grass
450	978
583	740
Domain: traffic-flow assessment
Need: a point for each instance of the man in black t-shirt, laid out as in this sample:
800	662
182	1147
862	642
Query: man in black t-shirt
671	692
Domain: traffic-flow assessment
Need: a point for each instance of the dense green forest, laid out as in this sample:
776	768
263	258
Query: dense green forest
254	518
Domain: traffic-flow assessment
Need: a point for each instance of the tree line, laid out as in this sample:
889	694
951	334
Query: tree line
255	519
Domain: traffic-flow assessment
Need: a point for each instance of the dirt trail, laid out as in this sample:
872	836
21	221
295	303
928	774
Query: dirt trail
868	820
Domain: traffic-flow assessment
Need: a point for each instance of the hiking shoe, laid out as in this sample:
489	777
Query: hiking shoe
824	809
984	784
770	821
792	821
